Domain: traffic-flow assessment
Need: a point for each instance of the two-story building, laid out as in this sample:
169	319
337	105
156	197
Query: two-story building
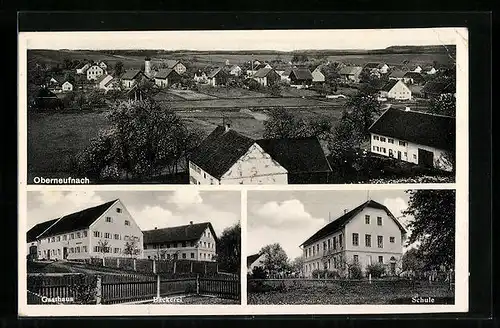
195	241
395	89
228	157
94	72
416	137
105	230
176	65
365	235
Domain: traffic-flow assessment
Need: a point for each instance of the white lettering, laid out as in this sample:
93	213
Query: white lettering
69	180
175	299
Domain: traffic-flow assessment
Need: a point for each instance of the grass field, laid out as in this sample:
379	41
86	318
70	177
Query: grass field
390	292
222	92
252	103
190	94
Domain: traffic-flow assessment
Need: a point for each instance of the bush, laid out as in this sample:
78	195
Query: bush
355	272
259	273
377	270
325	274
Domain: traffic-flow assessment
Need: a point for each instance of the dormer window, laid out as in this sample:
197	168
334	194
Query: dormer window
118	210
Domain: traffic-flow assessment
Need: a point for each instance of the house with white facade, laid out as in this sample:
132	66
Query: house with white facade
166	77
350	73
365	235
420	138
254	261
105	230
256	67
217	77
103	81
266	77
381	68
235	70
194	241
176	65
131	78
67	86
94	72
317	75
395	89
228	157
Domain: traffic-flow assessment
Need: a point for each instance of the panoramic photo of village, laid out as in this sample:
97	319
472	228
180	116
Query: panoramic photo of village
351	247
133	247
306	116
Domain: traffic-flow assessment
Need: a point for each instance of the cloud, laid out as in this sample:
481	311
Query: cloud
185	197
151	217
397	206
287	223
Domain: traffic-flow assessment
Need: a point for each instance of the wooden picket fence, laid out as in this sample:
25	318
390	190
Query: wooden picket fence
118	288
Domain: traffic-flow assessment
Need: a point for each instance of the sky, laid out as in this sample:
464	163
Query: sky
281	40
290	217
149	209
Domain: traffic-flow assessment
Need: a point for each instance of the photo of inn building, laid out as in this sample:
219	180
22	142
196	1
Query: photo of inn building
101	230
195	241
366	235
420	138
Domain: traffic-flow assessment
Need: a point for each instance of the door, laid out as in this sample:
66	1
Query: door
399	154
393	269
425	158
65	252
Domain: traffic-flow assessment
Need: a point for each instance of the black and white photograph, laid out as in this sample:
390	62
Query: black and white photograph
252	107
133	247
351	247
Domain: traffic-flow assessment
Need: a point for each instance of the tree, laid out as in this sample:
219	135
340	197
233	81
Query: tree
299	58
283	123
433	225
118	68
131	248
297	265
143	140
276	260
412	261
103	247
444	105
229	249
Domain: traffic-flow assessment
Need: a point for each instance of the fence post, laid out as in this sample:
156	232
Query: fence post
98	292
135	267
217	268
154	266
117	262
103	262
158	286
175	266
205	268
197	284
370	278
191	270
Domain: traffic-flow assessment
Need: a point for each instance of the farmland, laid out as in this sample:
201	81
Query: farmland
351	292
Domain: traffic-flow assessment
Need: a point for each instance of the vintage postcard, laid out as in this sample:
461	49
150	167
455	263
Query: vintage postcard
274	171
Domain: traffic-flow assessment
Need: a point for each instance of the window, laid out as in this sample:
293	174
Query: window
96	234
168	245
84	233
127	222
192	255
108	219
118	210
391	239
355	239
414	156
183	244
117	236
71	250
368	240
379	220
78	234
329	243
53	239
107	235
58	251
208	245
204	255
367	219
406	154
84	249
380	241
380	259
126	237
314	250
183	255
77	249
324	245
382	139
72	236
402	143
317	248
96	249
391	141
334	243
65	237
356	258
58	238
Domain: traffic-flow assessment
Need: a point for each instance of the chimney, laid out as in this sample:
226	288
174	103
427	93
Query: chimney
227	126
156	228
190	222
147	67
345	210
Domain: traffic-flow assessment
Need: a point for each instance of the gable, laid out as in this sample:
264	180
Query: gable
189	232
